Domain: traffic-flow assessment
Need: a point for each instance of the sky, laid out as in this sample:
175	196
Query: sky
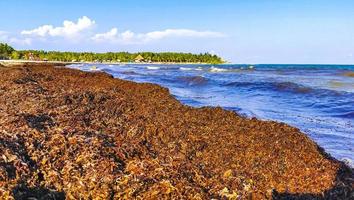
240	31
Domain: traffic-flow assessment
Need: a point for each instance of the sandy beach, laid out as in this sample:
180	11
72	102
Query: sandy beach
70	134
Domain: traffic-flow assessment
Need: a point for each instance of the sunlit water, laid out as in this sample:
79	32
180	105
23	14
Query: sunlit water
318	99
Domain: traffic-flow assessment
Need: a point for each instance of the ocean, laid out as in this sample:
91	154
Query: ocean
317	99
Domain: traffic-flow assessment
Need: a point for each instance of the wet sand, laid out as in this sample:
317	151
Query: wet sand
70	134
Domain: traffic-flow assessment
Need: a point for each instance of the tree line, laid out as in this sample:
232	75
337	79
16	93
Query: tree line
7	52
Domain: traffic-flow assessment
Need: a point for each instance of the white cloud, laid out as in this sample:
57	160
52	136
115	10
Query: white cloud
81	31
128	36
69	29
110	35
5	37
137	38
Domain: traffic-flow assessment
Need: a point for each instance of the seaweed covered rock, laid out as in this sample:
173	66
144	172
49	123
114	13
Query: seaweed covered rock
68	134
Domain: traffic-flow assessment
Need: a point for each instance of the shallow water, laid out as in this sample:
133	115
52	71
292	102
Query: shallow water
318	99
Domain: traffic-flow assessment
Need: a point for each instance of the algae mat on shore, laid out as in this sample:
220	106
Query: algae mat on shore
68	134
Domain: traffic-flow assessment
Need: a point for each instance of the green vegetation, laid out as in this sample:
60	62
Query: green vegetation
119	56
5	51
110	56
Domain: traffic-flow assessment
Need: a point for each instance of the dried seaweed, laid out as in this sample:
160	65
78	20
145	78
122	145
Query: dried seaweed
70	134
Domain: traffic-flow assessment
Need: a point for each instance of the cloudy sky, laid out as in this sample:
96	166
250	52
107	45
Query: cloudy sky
252	31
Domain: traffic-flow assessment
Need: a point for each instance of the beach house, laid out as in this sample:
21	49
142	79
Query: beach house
139	59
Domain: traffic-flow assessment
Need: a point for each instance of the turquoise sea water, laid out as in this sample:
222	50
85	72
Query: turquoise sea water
318	99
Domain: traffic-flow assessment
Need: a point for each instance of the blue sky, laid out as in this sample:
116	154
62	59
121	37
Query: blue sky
247	31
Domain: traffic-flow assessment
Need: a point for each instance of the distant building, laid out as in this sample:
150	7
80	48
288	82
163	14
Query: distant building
139	59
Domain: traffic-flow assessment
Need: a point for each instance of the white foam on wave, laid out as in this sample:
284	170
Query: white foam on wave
185	68
189	68
215	69
152	67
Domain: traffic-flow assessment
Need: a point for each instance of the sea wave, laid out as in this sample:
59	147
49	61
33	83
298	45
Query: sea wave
309	96
292	87
348	115
277	86
192	80
130	73
109	70
238	69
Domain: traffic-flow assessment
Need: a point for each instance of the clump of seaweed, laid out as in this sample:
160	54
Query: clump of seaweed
68	134
349	74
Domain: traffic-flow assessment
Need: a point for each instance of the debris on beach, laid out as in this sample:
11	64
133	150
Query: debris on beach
68	134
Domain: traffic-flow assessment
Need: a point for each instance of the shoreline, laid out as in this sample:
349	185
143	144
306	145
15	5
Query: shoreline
138	134
61	63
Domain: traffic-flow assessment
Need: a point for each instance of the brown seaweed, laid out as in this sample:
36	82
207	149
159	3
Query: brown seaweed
70	134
